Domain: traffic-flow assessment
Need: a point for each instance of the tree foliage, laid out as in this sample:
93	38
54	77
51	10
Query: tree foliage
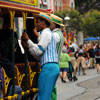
91	23
84	6
75	18
61	14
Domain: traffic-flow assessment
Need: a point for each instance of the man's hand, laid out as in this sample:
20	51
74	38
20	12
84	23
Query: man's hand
24	39
24	44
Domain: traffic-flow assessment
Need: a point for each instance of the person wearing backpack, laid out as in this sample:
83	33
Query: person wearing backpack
81	60
97	57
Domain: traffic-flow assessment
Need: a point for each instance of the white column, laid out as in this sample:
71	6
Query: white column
48	2
79	38
52	4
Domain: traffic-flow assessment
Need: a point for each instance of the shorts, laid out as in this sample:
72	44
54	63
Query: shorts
91	61
64	69
97	60
81	60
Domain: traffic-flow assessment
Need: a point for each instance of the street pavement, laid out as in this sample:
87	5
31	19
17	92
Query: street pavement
86	88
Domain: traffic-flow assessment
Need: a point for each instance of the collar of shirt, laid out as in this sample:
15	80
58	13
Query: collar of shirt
56	29
46	29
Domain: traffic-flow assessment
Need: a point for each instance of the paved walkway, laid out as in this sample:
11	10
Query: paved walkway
86	88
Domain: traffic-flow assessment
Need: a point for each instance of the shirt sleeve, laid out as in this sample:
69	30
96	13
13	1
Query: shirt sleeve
37	50
57	37
34	49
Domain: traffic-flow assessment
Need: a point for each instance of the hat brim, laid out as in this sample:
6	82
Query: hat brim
62	25
39	16
57	20
59	24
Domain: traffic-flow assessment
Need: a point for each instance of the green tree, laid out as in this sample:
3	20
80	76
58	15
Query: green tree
84	6
75	18
61	14
91	23
75	23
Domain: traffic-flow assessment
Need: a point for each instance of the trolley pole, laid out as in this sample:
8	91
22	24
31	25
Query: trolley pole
12	13
25	55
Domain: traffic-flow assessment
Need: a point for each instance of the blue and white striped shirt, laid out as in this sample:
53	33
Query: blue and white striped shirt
46	48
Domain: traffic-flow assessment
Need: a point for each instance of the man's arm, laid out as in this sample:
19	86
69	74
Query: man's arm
57	37
36	49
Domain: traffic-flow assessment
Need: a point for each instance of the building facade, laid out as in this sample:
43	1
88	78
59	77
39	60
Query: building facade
69	4
57	5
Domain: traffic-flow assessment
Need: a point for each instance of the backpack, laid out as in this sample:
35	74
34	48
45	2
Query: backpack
72	49
1	78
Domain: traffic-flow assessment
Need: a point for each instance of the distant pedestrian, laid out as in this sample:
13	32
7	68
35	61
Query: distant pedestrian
97	57
75	46
91	56
64	64
81	60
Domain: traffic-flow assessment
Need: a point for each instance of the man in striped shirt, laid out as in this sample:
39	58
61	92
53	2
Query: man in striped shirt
45	50
59	42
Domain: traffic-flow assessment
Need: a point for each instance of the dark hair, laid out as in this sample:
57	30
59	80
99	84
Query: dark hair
97	46
46	22
57	26
81	46
71	43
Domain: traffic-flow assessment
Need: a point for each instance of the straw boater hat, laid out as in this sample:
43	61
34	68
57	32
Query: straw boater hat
57	20
46	17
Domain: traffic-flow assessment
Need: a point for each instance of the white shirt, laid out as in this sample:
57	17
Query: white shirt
56	35
43	40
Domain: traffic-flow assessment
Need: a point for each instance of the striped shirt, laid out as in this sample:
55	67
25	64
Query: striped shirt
46	47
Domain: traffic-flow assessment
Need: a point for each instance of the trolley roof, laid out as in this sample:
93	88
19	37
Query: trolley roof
20	7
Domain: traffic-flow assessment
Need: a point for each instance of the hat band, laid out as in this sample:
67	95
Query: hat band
46	17
56	21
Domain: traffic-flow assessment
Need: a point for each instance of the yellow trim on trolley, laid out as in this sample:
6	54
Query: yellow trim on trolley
12	13
24	19
29	2
16	8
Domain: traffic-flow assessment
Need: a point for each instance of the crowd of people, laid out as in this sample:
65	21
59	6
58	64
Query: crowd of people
81	57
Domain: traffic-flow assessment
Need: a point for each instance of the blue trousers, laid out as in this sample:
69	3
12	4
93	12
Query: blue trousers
47	80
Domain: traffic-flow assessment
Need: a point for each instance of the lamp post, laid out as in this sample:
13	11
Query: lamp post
66	19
